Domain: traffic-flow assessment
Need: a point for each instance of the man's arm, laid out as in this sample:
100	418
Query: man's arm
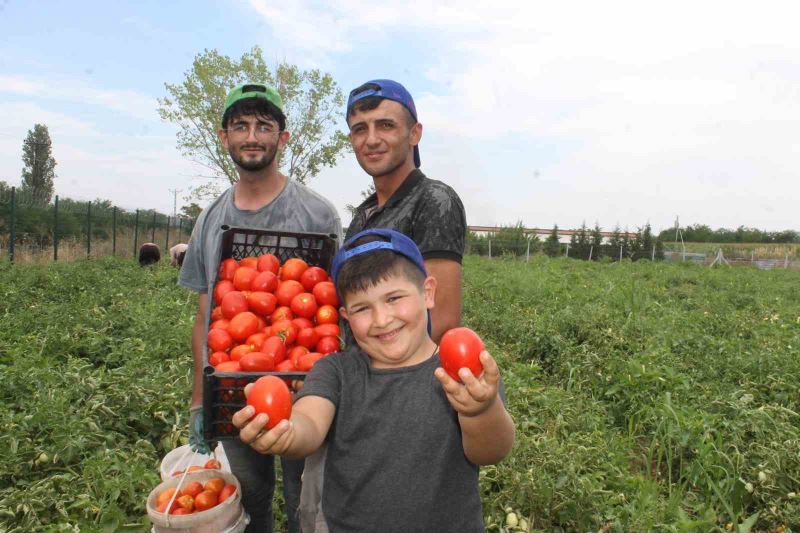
446	313
198	343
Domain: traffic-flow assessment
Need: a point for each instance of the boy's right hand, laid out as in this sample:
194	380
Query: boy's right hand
253	431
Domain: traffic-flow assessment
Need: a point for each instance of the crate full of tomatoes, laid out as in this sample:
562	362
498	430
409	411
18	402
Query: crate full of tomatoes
274	311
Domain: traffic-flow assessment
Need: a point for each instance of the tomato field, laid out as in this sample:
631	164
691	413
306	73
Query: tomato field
647	396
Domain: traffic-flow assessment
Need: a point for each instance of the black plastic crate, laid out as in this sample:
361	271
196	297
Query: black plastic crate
223	392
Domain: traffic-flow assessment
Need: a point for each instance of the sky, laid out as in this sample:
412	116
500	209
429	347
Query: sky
617	113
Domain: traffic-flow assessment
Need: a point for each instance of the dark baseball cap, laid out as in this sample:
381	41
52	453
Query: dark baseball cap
390	90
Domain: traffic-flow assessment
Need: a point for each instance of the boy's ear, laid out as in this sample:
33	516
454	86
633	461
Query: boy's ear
429	291
343	313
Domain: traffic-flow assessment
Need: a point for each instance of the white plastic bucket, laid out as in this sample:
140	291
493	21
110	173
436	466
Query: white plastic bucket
228	516
183	457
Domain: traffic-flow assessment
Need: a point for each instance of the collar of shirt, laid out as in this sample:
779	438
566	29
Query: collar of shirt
369	206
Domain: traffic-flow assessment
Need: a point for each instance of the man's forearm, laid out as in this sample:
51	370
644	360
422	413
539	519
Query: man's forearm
488	437
198	344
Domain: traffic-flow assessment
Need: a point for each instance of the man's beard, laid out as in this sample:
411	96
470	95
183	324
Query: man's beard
254	165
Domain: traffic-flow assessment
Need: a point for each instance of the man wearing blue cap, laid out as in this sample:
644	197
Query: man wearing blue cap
385	136
254	133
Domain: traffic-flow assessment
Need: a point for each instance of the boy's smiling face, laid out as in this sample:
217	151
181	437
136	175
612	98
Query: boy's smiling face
390	321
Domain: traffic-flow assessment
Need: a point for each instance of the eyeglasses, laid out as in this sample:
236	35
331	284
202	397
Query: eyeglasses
242	131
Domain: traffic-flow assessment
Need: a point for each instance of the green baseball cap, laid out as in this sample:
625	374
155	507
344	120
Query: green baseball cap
253	90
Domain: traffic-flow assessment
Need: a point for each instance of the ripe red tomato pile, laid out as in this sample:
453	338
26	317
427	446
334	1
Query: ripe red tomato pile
272	317
194	497
461	348
211	464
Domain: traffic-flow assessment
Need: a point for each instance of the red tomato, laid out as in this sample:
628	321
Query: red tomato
328	345
215	484
192	489
262	303
244	277
218	357
461	348
219	340
222	323
286	330
237	352
228	268
307	361
256	340
221	289
233	303
212	464
205	500
327	330
304	305
226	492
302	323
312	276
268	263
325	293
293	268
216	313
288	290
261	324
281	313
327	314
243	325
249	262
265	281
180	511
185	501
257	362
275	347
228	366
162	507
165	496
296	353
307	337
286	366
271	396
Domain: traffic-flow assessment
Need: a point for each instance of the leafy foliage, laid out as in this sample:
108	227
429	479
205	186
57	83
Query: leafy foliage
38	170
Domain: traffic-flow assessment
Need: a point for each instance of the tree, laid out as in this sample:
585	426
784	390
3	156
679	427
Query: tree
596	240
192	210
312	103
38	171
366	193
552	245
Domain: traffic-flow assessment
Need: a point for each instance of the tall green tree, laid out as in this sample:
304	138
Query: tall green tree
38	171
312	103
596	240
552	245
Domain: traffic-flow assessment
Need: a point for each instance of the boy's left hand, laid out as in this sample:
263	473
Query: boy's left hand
474	395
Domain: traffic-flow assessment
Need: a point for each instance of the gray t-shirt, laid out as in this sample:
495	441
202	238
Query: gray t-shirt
296	208
395	460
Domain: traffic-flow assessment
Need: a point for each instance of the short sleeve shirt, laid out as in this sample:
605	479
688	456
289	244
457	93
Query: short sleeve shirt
395	461
428	211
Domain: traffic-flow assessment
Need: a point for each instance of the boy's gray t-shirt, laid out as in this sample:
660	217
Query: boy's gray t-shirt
296	208
395	461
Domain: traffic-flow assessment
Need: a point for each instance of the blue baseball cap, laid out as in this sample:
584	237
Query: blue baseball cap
390	90
397	242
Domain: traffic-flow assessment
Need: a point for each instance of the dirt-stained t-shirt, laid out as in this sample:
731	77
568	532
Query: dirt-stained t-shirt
296	208
395	461
428	211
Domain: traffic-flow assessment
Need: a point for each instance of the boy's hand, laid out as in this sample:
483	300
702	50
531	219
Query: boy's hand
253	430
475	395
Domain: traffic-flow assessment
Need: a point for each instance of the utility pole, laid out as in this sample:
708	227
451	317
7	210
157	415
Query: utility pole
175	201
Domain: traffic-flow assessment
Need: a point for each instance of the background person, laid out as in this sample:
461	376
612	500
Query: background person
149	254
254	133
177	253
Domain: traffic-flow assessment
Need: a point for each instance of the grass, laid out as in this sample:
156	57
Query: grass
647	396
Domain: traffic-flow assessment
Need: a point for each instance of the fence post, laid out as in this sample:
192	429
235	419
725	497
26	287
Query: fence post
153	235
114	232
786	260
591	250
136	234
13	223
752	256
566	253
180	229
166	243
620	253
653	256
528	252
490	248
55	229
88	229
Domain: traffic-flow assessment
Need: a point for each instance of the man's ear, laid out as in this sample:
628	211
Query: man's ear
429	291
283	138
223	137
416	134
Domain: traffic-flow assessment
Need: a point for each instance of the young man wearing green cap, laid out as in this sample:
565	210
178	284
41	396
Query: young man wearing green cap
254	133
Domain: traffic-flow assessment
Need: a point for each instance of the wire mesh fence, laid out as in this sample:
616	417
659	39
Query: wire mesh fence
33	230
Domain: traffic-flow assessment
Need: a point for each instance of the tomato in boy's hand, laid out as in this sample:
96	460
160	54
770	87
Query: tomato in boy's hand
461	348
271	396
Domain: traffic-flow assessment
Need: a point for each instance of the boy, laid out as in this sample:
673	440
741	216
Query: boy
404	439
